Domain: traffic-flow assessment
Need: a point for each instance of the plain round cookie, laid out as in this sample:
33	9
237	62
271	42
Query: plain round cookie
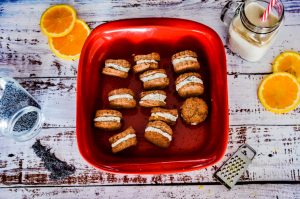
194	110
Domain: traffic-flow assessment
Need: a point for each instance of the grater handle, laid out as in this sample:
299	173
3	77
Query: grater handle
248	151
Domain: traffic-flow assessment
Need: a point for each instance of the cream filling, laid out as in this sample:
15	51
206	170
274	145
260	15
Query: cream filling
146	61
120	96
165	115
154	96
194	123
107	119
190	79
117	67
157	130
123	139
154	76
182	59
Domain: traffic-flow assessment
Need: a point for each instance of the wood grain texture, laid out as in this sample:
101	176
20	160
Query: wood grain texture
278	159
163	192
24	51
57	96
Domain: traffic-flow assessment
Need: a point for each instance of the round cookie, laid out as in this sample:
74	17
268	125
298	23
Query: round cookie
108	120
123	140
153	98
166	115
121	98
185	61
194	110
146	62
159	133
155	79
189	85
116	67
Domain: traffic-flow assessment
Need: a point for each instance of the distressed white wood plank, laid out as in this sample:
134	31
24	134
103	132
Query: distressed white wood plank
96	11
278	159
257	191
25	52
245	107
57	96
25	56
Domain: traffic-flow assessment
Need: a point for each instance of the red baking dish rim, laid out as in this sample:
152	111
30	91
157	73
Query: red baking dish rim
185	166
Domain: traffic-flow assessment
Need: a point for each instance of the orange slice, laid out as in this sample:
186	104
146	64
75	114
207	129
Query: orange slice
279	92
69	46
288	61
58	20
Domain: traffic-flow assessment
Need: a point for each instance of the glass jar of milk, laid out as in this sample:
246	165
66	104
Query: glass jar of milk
248	36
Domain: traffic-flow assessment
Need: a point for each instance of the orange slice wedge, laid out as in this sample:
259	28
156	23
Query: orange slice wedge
58	20
69	46
279	92
288	61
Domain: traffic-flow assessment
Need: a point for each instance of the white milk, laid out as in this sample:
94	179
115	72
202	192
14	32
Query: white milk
250	45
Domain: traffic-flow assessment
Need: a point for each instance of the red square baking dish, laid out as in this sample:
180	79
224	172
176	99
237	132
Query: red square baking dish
193	147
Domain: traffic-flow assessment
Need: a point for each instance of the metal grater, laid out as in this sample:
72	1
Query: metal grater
231	171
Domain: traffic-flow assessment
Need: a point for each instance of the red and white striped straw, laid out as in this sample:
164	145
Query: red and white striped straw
268	10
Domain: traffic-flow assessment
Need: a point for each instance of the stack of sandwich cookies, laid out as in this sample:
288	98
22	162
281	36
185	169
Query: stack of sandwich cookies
146	62
154	79
159	133
123	140
185	61
194	110
166	115
116	67
108	120
153	98
121	98
189	84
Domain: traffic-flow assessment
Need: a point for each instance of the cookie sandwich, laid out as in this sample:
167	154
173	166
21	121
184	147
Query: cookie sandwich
155	79
159	133
116	67
146	62
153	98
185	61
121	98
189	84
194	110
108	120
123	140
166	115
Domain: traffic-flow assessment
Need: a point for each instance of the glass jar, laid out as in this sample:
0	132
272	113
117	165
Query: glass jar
21	117
248	36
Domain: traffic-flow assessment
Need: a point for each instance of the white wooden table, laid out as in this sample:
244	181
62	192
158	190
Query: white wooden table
24	54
